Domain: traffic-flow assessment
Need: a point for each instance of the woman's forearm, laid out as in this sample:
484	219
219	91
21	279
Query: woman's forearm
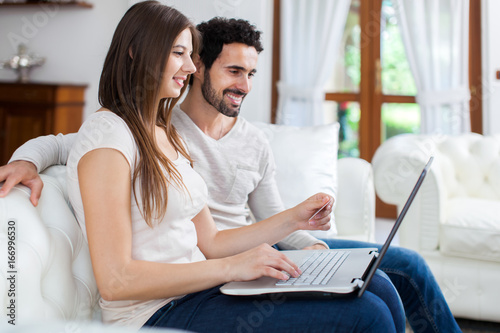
270	231
144	280
217	244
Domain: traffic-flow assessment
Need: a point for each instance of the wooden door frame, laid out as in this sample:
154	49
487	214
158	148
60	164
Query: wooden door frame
370	87
275	75
475	67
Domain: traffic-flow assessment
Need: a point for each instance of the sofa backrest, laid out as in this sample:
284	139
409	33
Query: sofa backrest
54	278
470	165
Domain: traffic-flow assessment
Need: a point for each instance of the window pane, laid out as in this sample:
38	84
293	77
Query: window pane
399	118
347	114
397	78
346	74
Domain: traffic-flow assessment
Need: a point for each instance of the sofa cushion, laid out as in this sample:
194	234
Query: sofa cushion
470	165
472	229
313	170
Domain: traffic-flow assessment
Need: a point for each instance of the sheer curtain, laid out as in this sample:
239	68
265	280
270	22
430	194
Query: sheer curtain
311	31
435	34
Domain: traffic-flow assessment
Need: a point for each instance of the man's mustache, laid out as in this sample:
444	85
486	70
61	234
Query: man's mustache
235	92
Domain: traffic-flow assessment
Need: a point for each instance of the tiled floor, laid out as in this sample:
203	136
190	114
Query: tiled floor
382	229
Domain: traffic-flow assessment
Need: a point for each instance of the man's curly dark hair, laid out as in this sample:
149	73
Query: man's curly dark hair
219	31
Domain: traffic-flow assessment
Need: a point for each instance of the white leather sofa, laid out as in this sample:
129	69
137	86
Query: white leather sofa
455	220
54	280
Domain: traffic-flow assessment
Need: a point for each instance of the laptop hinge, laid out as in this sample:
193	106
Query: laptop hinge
358	282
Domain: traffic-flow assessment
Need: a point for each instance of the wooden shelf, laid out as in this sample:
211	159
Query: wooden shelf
82	4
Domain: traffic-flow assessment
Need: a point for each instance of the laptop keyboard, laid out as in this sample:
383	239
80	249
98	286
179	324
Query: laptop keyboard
317	269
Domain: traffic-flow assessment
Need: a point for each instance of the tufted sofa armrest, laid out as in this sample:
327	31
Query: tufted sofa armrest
54	279
355	209
397	165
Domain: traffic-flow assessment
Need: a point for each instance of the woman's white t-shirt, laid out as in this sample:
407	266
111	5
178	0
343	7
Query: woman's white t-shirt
172	240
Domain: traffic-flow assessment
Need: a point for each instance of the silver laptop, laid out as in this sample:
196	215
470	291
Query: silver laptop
327	272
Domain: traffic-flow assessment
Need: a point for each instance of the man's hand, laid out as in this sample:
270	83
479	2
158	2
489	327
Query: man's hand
316	247
23	172
313	213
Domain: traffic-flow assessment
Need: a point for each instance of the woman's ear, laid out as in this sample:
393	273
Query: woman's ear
130	53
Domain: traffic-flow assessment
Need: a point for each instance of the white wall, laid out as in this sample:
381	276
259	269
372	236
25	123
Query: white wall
73	40
491	63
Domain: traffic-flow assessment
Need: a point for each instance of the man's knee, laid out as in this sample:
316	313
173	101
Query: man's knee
378	318
406	259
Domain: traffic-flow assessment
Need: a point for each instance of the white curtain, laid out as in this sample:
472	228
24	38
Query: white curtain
435	34
311	31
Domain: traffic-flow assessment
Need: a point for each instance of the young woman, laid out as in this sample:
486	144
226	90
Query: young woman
157	256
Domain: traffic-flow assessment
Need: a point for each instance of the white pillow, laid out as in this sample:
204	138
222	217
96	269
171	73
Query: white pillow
306	163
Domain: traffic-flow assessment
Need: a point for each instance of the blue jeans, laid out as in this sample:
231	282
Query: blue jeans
211	311
424	303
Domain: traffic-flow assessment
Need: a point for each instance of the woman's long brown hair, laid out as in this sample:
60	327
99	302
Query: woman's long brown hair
129	86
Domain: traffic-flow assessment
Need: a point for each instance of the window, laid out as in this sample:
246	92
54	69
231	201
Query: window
371	92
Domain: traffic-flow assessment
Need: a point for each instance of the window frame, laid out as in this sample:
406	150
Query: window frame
370	95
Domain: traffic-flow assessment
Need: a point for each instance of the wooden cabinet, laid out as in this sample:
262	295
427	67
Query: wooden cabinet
28	110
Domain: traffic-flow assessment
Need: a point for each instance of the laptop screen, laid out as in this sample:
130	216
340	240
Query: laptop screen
395	228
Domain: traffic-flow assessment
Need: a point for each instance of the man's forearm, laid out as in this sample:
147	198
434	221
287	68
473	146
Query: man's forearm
45	151
299	240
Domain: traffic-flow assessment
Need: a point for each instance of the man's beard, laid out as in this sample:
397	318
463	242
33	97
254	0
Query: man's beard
211	97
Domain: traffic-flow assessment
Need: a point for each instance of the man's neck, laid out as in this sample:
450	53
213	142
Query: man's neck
206	117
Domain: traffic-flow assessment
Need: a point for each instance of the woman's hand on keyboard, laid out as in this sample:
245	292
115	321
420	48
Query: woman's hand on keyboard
263	260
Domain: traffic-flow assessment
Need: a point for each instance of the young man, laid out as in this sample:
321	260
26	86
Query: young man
240	172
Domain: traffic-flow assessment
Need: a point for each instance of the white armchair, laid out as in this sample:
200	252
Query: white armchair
455	220
54	279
